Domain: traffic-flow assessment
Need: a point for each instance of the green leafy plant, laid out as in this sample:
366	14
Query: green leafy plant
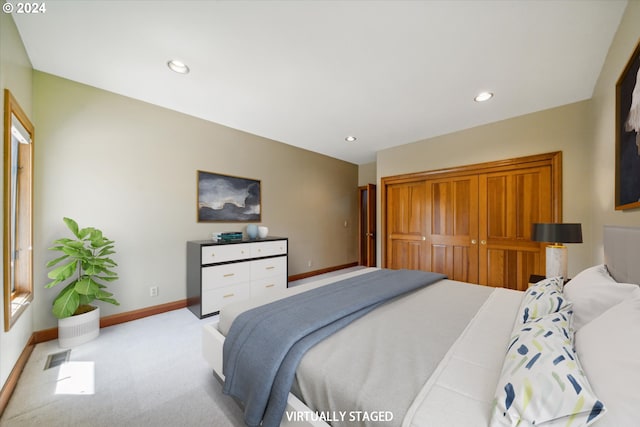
87	264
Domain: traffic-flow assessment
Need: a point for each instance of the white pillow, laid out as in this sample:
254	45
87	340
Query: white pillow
593	291
542	382
609	351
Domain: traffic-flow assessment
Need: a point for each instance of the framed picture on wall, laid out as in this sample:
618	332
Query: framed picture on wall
224	198
628	134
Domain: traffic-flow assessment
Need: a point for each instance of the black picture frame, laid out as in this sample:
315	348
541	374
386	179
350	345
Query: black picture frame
226	198
628	135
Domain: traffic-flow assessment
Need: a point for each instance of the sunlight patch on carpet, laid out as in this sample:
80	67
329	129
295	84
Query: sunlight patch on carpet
76	378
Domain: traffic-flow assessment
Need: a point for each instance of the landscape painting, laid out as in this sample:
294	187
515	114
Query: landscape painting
224	198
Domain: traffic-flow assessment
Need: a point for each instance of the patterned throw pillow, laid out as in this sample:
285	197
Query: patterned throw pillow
542	298
542	380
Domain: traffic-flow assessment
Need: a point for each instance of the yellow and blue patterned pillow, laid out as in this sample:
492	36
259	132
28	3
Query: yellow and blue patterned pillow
542	382
542	298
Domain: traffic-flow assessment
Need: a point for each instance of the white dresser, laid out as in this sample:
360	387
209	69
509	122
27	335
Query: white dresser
220	273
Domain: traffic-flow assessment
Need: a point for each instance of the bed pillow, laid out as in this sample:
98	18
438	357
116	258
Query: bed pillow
593	291
542	298
609	350
542	382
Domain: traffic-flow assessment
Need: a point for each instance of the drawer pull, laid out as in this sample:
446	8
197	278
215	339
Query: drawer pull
228	295
269	268
229	274
270	286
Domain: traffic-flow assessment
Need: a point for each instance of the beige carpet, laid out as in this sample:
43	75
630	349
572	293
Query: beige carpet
149	372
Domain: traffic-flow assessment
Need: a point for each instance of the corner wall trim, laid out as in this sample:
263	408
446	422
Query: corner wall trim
12	380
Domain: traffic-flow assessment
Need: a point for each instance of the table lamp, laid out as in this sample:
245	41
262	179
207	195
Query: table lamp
556	253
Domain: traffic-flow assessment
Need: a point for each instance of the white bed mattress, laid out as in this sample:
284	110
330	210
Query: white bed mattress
380	362
463	383
461	390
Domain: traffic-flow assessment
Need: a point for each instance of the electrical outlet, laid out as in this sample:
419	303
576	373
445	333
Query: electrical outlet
309	263
153	291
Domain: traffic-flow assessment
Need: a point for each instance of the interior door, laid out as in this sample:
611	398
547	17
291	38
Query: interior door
406	226
452	221
513	200
367	226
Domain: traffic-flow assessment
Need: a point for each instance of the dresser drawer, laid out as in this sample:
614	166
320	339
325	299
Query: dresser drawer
223	253
215	299
218	276
277	247
267	284
269	267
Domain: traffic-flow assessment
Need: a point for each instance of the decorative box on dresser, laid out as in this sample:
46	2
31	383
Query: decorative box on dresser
222	272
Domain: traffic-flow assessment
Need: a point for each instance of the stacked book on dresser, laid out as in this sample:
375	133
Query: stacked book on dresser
228	236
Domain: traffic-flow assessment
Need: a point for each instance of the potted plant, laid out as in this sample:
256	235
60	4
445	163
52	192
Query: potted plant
86	263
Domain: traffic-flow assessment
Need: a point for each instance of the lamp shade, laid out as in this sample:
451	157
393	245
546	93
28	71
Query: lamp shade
557	233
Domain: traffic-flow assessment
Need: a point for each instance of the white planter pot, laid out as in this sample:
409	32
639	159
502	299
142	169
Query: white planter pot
76	330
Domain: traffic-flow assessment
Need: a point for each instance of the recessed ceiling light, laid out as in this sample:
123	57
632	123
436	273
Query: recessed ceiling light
178	66
483	96
350	138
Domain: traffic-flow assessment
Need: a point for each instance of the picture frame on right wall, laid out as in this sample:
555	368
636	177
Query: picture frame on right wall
628	134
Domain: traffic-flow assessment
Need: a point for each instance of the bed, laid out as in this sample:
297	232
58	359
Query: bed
456	354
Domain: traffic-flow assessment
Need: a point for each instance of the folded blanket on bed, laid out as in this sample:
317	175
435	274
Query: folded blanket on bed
265	345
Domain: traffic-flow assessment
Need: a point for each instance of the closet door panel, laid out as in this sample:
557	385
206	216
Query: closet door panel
406	225
454	261
511	268
453	227
514	200
406	209
407	254
498	212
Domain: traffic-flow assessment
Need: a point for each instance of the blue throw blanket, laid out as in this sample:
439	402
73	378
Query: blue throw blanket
265	345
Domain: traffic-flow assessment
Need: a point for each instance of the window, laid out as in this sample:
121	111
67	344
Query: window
18	207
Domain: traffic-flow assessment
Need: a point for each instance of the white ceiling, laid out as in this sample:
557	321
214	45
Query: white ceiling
309	73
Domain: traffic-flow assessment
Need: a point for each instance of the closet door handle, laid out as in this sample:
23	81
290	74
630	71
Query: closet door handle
474	241
483	242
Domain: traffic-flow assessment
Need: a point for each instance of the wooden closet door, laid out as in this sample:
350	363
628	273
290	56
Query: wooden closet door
452	235
478	218
405	226
512	201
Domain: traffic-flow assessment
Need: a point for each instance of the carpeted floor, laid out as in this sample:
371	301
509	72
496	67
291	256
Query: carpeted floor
149	372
